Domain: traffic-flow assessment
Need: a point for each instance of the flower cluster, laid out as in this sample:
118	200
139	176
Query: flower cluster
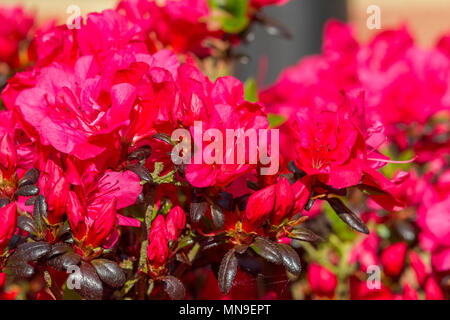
404	90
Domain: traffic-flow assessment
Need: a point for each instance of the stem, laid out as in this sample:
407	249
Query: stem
51	285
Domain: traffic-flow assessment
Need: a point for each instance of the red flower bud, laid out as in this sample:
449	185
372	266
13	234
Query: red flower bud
432	290
55	188
8	156
321	280
393	258
284	201
260	205
175	222
418	266
409	293
75	214
8	219
157	250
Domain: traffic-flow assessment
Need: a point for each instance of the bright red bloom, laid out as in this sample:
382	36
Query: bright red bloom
92	206
275	203
321	280
226	109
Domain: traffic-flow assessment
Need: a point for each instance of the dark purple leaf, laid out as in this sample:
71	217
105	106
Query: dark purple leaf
28	191
109	272
140	154
198	210
227	271
91	286
267	249
30	177
217	216
141	171
290	257
174	287
346	215
304	234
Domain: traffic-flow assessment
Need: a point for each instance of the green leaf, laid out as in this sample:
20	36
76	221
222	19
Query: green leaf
275	120
250	90
235	18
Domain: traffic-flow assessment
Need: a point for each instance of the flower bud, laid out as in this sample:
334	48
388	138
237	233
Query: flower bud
393	259
157	250
175	222
8	218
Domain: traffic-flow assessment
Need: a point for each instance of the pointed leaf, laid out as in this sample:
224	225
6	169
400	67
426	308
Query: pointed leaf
225	201
304	234
163	137
198	210
141	154
28	191
90	284
141	171
217	216
346	215
27	224
267	249
64	261
174	287
290	257
30	177
227	271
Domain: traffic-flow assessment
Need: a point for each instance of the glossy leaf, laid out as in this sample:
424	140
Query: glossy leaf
227	271
267	249
109	272
346	215
174	287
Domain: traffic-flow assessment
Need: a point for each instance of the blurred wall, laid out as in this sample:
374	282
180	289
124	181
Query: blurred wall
305	20
427	19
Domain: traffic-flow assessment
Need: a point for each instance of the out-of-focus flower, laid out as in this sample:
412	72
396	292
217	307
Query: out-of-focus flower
419	267
321	280
15	28
393	258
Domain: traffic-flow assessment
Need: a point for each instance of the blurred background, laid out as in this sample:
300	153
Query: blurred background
427	19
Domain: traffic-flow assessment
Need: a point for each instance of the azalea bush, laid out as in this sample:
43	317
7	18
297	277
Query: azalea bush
342	192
